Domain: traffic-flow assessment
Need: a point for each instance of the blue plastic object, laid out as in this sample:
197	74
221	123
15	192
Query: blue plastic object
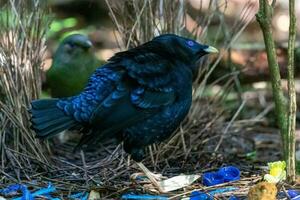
296	198
143	196
230	173
196	195
26	194
293	193
212	178
225	174
45	192
232	197
222	190
79	195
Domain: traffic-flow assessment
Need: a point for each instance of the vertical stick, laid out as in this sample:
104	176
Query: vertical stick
286	114
292	95
264	18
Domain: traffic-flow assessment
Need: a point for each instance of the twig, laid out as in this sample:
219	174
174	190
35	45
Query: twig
135	23
285	115
230	124
291	165
264	17
22	47
84	167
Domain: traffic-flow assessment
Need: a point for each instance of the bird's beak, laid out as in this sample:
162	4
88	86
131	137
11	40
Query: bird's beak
87	44
211	49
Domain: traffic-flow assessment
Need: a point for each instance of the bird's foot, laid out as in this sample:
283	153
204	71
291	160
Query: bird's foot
155	179
138	175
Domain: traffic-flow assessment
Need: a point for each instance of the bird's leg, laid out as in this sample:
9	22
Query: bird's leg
152	177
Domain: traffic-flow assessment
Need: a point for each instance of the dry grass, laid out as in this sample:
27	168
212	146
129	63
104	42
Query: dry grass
22	46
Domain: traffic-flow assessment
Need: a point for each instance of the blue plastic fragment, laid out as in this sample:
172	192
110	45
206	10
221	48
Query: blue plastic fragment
144	196
79	195
41	192
296	198
212	178
196	195
222	190
26	195
230	173
225	174
44	191
232	197
10	189
293	193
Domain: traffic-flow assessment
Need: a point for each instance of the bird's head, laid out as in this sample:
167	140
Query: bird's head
186	50
73	46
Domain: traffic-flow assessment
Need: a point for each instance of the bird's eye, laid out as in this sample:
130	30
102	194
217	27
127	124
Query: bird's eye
72	45
69	47
190	43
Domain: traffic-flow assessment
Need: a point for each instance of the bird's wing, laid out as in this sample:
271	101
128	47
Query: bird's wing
141	91
144	86
146	67
123	109
101	84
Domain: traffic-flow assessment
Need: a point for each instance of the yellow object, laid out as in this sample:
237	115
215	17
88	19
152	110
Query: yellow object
263	191
277	172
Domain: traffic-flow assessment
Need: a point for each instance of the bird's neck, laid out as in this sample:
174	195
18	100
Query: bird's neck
183	79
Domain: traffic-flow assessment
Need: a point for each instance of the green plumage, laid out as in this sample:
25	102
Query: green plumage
73	63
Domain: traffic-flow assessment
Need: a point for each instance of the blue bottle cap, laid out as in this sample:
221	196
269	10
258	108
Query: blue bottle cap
229	173
212	178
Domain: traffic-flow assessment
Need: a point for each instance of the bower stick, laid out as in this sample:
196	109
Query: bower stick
292	95
285	111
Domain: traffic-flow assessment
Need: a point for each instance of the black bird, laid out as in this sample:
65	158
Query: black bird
139	97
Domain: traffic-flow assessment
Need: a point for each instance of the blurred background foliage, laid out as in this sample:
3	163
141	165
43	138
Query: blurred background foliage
91	17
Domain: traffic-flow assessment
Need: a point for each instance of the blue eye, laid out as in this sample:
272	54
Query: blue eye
190	43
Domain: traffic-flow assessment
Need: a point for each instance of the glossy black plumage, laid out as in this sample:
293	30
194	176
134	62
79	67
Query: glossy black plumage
140	96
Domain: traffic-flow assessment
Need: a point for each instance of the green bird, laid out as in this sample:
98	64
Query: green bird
73	63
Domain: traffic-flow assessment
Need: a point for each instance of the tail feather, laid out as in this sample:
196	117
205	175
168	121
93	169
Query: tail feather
47	119
53	130
41	113
44	103
44	124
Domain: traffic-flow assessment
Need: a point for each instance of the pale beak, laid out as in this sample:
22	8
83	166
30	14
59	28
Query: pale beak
87	44
211	49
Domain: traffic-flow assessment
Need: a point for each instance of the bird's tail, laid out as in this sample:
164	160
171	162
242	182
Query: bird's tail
47	119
